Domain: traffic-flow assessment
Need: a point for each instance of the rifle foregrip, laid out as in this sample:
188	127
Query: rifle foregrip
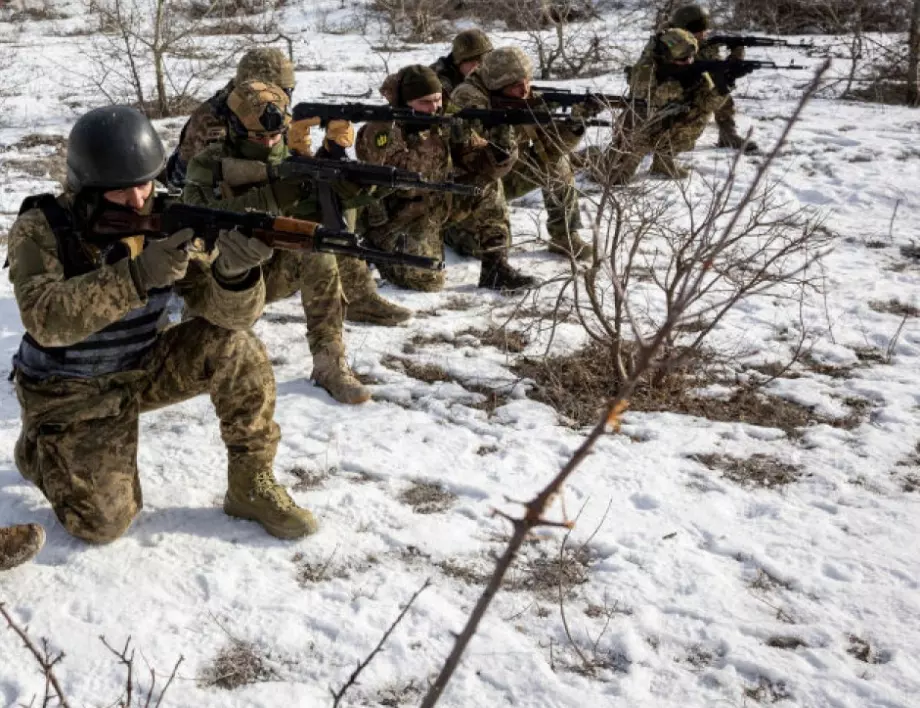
295	226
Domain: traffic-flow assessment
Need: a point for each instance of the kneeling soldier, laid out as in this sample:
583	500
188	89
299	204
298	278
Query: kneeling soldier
95	354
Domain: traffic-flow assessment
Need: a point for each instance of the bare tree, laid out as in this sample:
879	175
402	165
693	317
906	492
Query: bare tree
153	50
913	55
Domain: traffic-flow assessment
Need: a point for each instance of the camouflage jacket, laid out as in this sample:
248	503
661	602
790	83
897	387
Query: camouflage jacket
702	99
204	126
448	73
535	144
60	312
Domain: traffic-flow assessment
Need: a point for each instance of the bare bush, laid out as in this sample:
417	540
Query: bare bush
815	16
148	52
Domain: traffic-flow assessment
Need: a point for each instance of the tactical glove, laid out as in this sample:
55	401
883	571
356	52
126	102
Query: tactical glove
162	262
298	136
502	142
237	254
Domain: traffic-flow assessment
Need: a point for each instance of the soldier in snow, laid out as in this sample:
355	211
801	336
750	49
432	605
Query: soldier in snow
438	153
95	354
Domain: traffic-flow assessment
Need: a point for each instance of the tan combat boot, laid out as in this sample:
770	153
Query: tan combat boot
258	497
373	309
19	544
665	166
331	372
571	243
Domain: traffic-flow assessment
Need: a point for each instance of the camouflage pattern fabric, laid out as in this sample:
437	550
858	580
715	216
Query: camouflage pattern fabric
725	114
316	275
543	162
479	224
20	543
79	436
204	126
448	74
417	215
637	137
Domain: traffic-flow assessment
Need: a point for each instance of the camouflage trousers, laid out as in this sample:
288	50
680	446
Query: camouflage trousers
479	224
79	436
412	226
323	281
633	142
557	182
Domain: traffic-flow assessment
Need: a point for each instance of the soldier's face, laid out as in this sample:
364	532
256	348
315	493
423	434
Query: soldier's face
133	197
267	140
466	67
519	90
426	104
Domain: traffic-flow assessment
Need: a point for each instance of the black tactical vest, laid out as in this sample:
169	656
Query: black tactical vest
119	346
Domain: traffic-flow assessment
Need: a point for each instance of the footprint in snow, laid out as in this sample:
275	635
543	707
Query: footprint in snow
644	502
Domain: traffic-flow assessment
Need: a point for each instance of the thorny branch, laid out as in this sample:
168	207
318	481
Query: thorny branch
337	695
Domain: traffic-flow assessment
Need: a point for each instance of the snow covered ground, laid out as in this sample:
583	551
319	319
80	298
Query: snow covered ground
692	589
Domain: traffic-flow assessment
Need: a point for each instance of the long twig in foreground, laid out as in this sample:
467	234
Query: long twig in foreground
46	661
337	695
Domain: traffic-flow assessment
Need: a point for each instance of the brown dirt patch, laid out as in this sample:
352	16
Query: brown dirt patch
308	479
429	373
427	497
894	307
755	471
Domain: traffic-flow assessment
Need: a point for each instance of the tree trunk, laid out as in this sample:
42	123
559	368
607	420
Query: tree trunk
158	59
913	55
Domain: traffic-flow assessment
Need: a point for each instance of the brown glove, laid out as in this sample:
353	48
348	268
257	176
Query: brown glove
339	132
298	136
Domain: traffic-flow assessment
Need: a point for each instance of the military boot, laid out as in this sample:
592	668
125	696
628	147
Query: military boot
497	274
374	309
729	138
331	372
570	244
666	166
19	544
258	497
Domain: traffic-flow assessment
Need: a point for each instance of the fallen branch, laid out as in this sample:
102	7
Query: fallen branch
45	659
337	695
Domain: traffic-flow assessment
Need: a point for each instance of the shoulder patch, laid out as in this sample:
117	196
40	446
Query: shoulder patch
382	138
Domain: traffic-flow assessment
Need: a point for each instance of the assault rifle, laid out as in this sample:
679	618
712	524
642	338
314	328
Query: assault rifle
723	72
566	98
365	113
518	112
275	231
324	170
732	41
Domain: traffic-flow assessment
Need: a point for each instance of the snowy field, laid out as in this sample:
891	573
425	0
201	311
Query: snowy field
684	587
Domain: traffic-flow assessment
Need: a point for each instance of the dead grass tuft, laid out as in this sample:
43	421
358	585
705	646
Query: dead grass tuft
767	691
757	470
894	307
399	693
862	650
429	373
507	340
577	386
308	479
765	581
785	642
238	664
310	572
427	497
494	397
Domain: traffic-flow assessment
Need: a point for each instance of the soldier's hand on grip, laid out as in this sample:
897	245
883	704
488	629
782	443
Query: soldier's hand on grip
239	253
162	262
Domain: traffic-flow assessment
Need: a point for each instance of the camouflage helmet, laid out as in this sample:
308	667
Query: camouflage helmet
505	66
257	109
266	64
470	44
677	44
692	18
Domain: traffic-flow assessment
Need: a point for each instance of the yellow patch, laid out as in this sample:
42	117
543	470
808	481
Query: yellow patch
381	139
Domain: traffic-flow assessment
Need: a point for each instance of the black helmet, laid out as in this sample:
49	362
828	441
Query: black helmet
114	147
